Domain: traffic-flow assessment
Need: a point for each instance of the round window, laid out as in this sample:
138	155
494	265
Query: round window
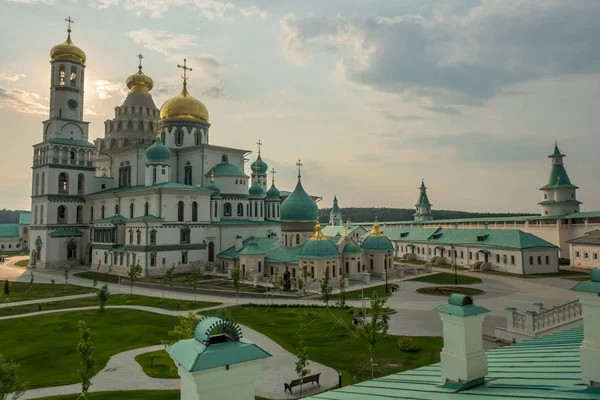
72	104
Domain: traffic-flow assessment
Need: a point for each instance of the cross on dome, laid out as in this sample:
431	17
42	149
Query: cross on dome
140	56
69	22
273	172
185	69
299	165
259	143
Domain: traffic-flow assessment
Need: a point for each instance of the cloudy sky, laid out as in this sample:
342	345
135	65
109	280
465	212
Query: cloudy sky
372	95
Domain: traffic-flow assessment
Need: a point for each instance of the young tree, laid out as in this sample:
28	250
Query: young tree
9	380
186	327
342	296
196	276
238	278
7	290
133	274
52	282
168	278
66	278
87	361
304	281
302	364
277	283
376	328
103	296
325	288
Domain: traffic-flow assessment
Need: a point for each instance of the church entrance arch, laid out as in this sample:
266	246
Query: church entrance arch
211	251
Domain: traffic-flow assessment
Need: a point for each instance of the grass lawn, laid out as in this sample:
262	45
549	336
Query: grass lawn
39	291
341	350
125	395
22	263
368	292
183	280
448	290
418	262
115	300
451	267
162	365
563	273
45	346
445	278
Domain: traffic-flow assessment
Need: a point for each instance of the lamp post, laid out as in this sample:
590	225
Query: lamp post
454	266
386	281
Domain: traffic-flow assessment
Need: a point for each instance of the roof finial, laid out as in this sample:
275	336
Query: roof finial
212	174
140	56
273	173
318	235
185	70
376	231
69	22
299	165
259	143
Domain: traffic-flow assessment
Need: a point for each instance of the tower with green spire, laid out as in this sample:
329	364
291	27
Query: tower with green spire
423	206
335	215
560	195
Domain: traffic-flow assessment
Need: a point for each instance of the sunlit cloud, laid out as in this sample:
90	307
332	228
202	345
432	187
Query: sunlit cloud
23	101
106	89
9	77
211	9
254	11
162	41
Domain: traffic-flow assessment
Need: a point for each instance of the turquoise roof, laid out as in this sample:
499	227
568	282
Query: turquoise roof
545	368
158	152
461	305
9	230
273	193
259	166
335	209
318	248
252	248
213	186
299	206
225	169
377	244
25	218
145	218
591	286
423	200
256	190
228	348
351	248
165	185
273	249
568	201
66	233
556	151
112	218
72	142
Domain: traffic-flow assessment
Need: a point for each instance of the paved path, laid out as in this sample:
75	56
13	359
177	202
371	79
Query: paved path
122	370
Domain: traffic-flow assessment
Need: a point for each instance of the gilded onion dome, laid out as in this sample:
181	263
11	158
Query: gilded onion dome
67	51
185	106
139	82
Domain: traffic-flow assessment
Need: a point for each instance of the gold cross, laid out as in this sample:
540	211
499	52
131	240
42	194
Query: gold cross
185	69
69	22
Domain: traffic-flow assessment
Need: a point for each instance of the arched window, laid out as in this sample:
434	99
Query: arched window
227	209
61	75
180	211
197	137
184	235
146	208
116	209
224	159
187	179
194	211
91	213
259	266
261	209
179	137
286	240
216	209
37	185
255	209
73	76
211	252
131	236
139	236
61	215
79	214
240	210
63	183
131	210
297	238
153	236
248	209
43	186
80	184
102	212
41	218
72	156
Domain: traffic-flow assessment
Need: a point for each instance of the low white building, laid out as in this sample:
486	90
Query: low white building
14	237
585	250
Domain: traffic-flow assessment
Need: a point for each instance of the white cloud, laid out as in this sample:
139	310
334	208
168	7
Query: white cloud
23	101
211	9
162	41
254	11
5	76
49	2
106	89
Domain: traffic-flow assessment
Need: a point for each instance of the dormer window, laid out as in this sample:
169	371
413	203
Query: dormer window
481	238
224	159
437	236
403	234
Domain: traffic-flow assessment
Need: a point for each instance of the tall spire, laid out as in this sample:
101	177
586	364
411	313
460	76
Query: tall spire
423	199
69	22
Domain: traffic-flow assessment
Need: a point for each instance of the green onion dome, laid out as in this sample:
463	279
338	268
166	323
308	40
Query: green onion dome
318	246
299	206
273	193
212	185
158	152
259	166
351	248
377	242
256	190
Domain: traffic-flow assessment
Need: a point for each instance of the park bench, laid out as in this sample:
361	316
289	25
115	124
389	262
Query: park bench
297	382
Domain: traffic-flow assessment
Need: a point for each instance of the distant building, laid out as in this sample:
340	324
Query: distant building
14	237
585	250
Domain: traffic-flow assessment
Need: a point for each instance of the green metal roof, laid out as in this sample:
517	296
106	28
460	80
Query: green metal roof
145	218
591	286
332	230
556	151
226	169
299	206
377	244
112	218
335	209
25	218
351	248
461	305
558	178
318	248
165	185
423	200
256	190
568	201
273	249
9	230
259	166
66	233
543	368
252	248
158	152
73	142
273	193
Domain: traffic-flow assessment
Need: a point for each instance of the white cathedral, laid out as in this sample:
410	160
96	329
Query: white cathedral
155	192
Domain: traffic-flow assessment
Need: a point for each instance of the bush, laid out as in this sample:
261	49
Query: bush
407	345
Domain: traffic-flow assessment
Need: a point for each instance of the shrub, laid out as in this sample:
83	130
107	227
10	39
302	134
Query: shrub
407	345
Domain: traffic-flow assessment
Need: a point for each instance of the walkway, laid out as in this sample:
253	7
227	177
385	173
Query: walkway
122	370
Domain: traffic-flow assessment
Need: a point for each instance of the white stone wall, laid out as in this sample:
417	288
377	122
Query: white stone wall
10	244
585	255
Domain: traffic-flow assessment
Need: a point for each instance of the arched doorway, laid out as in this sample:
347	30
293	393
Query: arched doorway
211	251
88	254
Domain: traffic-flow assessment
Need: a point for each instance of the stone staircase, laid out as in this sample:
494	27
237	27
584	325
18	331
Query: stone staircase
533	324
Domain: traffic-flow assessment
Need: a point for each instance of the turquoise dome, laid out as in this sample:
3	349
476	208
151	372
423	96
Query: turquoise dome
226	169
299	206
318	246
351	248
259	166
158	152
273	193
377	244
213	186
256	190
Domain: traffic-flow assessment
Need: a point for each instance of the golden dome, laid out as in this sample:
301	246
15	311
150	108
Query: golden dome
184	105
139	82
67	51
